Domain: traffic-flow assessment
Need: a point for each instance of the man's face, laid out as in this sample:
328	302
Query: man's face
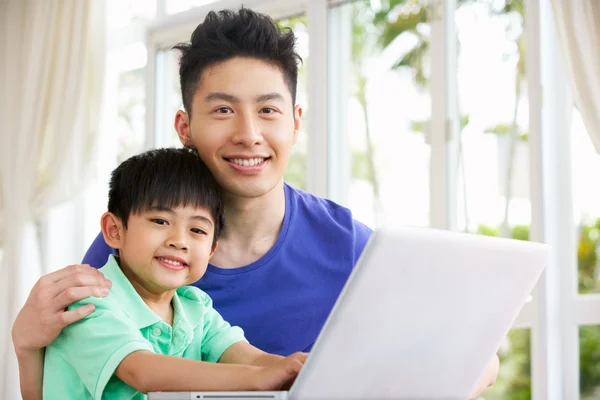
243	124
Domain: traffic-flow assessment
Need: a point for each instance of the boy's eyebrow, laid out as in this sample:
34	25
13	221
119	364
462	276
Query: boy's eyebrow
202	218
233	99
171	211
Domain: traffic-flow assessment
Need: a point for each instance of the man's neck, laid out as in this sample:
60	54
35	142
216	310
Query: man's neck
252	227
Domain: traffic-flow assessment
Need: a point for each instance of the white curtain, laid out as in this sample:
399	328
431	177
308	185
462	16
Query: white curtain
578	25
51	72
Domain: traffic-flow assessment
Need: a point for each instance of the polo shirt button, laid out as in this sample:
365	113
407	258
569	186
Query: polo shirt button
156	331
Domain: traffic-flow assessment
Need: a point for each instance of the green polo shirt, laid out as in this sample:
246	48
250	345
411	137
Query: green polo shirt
81	362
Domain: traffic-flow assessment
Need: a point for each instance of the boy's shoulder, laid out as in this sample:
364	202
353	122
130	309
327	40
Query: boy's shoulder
191	294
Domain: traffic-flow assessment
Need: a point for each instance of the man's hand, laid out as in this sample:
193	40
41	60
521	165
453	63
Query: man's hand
489	378
43	316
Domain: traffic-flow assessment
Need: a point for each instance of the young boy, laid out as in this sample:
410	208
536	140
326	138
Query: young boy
152	332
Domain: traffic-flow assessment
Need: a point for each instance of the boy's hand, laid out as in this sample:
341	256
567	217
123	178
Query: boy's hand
280	375
43	316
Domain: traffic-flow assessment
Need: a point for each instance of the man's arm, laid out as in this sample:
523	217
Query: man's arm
489	378
43	316
148	372
31	364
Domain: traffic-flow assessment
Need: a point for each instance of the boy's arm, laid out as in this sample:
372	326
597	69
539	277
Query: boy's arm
149	372
244	353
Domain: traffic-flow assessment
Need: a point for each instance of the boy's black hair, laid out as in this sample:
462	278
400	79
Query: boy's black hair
165	177
227	34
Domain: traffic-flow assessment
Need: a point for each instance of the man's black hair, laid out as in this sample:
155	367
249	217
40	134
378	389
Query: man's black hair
227	34
166	178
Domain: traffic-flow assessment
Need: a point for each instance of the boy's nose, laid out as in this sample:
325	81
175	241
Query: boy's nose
177	243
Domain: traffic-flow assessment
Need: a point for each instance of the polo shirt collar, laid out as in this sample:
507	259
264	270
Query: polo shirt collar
188	305
123	292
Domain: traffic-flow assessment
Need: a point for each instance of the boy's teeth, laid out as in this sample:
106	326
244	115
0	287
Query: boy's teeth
247	162
170	261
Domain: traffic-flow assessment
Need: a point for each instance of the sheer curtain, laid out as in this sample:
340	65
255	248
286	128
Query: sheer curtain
51	74
578	24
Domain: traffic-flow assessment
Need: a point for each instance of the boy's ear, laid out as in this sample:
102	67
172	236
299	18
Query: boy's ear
112	230
214	249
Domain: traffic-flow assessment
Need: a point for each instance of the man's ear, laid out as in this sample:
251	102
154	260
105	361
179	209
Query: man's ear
297	121
214	249
182	126
112	230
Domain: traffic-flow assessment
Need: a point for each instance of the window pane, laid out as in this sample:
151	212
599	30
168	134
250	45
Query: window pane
388	110
131	114
175	6
493	169
168	97
122	13
295	174
589	362
514	377
586	164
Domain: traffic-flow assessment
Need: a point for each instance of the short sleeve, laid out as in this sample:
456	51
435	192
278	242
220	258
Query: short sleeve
362	233
95	346
218	334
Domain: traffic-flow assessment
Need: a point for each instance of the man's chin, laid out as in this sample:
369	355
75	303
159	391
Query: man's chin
249	190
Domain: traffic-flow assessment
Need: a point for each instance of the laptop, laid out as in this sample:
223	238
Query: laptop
420	317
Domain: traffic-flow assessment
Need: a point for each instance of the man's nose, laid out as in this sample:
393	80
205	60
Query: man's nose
248	132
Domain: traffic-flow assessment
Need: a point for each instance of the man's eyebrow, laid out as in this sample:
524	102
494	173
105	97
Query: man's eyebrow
221	96
269	96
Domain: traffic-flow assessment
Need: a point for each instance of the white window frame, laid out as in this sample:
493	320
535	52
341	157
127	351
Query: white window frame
557	310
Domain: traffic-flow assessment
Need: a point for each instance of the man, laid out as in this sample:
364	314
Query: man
284	255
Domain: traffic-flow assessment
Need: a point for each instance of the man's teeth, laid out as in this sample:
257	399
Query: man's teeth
247	162
172	262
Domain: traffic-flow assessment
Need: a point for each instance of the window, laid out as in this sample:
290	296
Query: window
586	164
295	174
589	375
387	112
175	6
493	155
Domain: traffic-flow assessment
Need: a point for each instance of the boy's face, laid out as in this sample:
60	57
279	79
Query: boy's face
243	124
164	249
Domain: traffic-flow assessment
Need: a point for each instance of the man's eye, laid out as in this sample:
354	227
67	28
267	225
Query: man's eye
198	231
159	221
268	110
223	110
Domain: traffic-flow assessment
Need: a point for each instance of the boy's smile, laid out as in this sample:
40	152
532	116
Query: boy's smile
162	249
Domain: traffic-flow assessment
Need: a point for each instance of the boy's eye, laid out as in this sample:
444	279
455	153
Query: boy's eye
198	231
159	221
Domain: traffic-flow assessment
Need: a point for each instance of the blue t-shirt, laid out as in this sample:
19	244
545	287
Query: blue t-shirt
282	300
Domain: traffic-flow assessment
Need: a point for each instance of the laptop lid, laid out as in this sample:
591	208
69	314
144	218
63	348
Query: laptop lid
421	316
